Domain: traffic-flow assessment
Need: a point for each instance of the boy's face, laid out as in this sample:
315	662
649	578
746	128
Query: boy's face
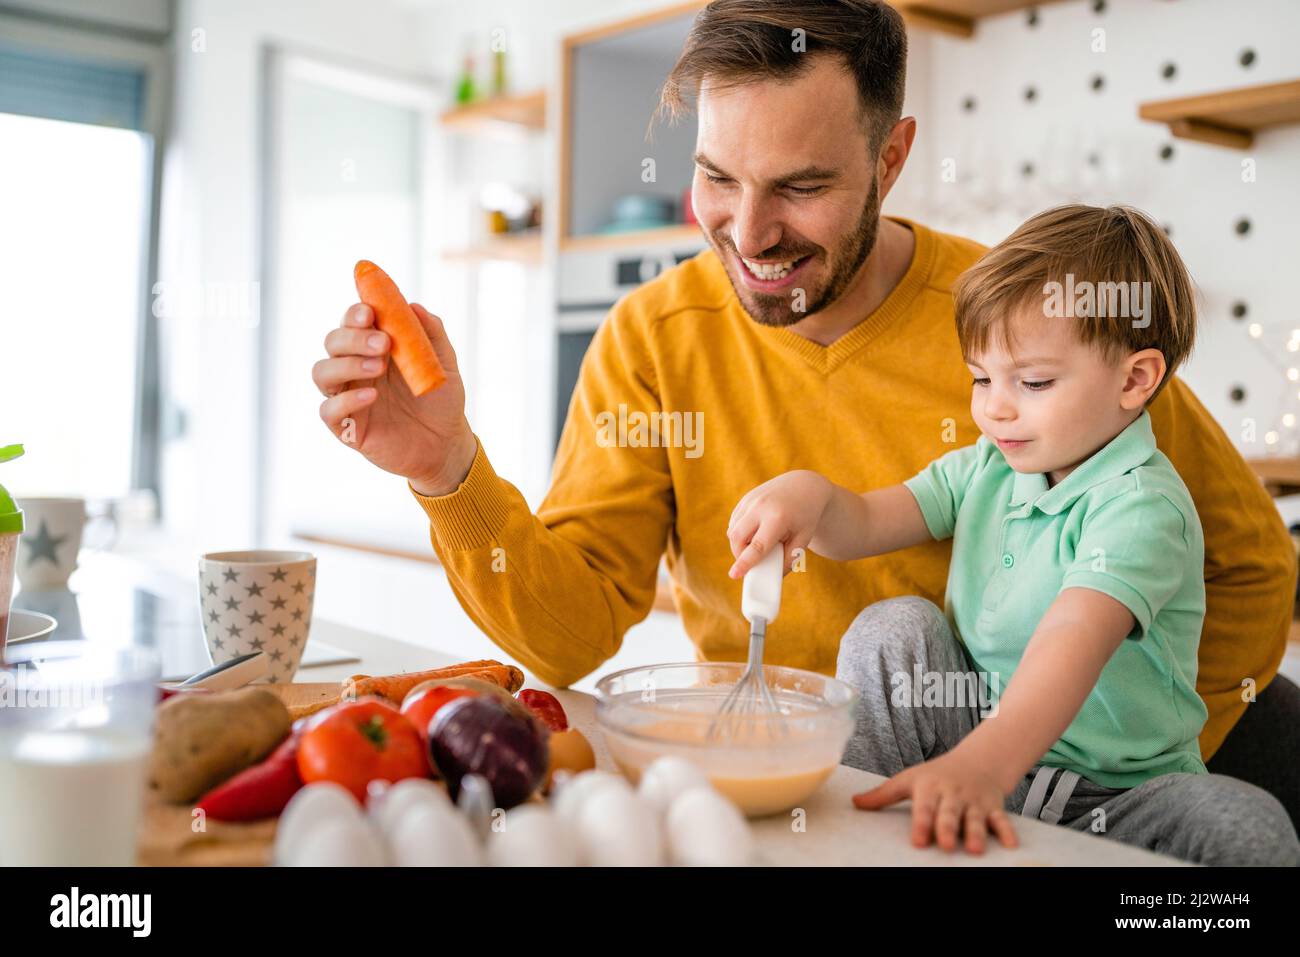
1054	402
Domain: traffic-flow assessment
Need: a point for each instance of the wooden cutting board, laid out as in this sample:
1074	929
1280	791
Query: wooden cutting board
303	699
171	835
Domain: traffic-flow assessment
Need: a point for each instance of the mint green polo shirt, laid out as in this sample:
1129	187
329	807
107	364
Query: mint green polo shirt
1122	523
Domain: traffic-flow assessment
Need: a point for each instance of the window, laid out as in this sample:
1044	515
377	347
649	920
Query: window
344	183
80	113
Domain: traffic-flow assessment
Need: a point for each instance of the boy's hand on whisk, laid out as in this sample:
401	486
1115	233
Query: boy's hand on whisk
786	510
954	795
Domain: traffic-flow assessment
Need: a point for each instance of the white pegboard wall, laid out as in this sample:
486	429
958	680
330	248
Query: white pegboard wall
1030	113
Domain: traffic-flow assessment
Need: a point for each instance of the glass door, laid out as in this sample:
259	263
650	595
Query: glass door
343	181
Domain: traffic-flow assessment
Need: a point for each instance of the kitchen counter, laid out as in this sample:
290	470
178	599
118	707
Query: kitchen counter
831	831
125	599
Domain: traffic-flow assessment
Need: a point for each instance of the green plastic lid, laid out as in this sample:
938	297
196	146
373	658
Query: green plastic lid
11	516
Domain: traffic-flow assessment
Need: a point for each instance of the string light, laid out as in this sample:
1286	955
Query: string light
1287	417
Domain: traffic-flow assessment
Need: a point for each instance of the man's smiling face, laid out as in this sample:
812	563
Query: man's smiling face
787	189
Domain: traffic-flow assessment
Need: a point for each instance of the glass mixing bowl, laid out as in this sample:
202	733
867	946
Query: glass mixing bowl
764	763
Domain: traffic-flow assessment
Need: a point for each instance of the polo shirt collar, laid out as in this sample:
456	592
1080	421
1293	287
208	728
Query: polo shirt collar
1131	448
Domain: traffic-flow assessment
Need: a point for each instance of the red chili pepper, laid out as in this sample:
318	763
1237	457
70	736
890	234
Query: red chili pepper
165	693
546	706
257	792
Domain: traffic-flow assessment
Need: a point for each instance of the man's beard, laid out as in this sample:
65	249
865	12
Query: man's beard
780	310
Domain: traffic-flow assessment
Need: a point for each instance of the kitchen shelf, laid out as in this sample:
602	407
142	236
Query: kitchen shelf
526	249
678	232
1279	473
958	17
1229	117
523	111
602	70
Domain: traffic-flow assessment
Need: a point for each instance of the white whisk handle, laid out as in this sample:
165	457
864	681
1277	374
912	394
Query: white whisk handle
760	596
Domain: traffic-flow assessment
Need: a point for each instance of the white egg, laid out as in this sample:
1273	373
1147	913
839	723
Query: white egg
340	842
706	830
429	836
312	806
389	806
616	828
668	777
575	791
532	836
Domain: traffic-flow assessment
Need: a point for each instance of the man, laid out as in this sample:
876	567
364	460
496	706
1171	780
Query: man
815	333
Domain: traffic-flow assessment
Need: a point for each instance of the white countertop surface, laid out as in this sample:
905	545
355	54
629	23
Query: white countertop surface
831	832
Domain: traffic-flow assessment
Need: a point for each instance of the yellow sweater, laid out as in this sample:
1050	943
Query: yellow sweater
558	590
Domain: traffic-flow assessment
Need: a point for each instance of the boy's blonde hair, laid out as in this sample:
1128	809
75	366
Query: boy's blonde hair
1080	263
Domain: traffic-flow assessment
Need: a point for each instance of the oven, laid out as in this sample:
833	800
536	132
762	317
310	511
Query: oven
590	282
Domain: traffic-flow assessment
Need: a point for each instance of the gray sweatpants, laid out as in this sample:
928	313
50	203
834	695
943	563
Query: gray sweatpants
1203	818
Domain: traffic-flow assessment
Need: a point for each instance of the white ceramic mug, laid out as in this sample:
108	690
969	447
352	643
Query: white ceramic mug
51	540
258	600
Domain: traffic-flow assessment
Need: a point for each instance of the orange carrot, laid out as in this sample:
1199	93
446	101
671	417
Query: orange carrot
448	671
412	351
395	687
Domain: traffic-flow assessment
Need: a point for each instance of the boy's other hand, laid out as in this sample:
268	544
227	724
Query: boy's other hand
786	510
953	796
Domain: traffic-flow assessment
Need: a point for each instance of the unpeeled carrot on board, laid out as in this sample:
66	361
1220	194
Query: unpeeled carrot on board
396	687
412	351
447	671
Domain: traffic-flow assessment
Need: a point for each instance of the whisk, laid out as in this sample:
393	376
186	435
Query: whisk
759	602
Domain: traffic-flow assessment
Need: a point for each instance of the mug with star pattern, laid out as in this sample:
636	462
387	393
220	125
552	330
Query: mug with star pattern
51	542
258	601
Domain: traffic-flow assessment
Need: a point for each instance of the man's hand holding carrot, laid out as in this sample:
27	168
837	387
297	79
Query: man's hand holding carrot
427	439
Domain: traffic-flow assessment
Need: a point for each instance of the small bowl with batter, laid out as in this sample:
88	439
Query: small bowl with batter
765	763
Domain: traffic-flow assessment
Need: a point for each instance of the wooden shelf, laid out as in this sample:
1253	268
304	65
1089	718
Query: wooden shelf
570	46
525	248
1229	117
957	17
524	111
676	233
1280	474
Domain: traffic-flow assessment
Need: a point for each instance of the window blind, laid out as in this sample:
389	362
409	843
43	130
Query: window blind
61	88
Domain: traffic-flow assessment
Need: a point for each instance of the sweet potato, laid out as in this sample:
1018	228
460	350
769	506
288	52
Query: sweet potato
201	740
